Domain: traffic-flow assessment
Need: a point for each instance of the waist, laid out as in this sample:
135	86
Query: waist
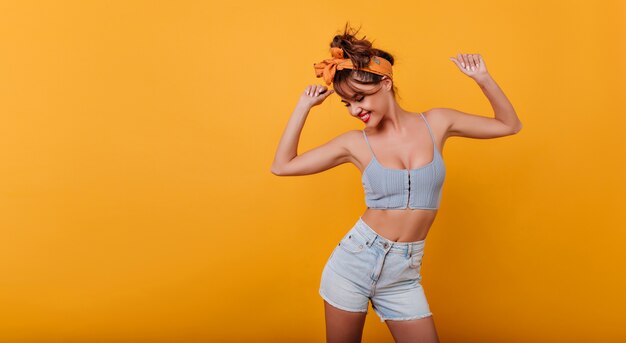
400	225
373	237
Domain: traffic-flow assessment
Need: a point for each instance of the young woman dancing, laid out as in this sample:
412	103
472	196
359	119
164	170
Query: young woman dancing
403	171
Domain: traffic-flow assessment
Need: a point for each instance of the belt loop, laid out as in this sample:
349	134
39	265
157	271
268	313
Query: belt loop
410	245
369	238
364	234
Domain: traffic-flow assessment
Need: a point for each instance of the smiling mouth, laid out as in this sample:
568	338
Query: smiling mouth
365	117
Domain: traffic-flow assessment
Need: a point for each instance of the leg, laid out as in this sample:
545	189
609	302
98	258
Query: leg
413	331
343	326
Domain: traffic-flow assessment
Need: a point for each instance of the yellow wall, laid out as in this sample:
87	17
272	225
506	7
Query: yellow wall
137	203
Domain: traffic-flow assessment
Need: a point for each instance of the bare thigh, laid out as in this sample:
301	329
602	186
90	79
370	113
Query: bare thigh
343	326
413	331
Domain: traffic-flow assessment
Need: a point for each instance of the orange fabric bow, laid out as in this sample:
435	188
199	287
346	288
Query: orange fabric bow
328	67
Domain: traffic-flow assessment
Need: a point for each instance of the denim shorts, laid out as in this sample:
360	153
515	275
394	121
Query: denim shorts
366	266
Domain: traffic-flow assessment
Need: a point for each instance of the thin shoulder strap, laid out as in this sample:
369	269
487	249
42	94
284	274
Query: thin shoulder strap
368	142
429	130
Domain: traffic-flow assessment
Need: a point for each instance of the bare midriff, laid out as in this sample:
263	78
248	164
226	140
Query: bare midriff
404	225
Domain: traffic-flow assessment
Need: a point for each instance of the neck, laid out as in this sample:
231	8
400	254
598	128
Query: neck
394	119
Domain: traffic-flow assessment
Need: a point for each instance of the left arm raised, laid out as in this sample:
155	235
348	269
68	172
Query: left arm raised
505	123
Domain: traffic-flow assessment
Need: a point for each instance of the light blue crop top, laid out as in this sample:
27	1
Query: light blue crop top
387	188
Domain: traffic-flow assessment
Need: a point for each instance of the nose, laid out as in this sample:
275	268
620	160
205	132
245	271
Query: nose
355	110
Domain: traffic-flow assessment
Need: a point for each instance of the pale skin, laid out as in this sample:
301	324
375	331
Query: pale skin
400	140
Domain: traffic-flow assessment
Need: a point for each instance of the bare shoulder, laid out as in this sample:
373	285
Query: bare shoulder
439	121
353	136
349	138
352	140
436	116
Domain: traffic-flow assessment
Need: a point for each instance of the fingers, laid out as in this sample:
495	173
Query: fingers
315	90
461	58
470	62
474	61
456	61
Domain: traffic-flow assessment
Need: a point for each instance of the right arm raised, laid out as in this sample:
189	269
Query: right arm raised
287	162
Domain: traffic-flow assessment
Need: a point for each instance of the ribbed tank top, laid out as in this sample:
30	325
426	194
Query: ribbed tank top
421	188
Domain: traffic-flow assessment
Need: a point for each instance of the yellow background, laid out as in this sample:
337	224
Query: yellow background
137	203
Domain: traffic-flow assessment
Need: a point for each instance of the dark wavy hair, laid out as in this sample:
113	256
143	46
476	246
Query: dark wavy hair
359	51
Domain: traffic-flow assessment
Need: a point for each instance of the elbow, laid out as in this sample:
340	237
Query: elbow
275	170
517	128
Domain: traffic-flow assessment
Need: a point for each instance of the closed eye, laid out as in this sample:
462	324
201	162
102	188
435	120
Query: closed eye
359	100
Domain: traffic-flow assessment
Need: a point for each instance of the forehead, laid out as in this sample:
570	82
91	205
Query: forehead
351	92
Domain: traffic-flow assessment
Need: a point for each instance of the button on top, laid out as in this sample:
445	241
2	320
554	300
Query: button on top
385	245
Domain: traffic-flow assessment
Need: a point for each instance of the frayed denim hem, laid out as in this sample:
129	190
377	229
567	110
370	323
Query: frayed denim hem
382	319
337	305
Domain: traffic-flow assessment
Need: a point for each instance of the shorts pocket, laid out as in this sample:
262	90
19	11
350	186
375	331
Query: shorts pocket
353	243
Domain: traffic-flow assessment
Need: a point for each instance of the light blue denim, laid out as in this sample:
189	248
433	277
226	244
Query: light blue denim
365	266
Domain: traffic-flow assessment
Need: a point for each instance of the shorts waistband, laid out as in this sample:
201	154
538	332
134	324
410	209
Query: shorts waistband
372	237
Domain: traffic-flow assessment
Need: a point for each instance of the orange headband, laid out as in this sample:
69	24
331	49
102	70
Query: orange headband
328	67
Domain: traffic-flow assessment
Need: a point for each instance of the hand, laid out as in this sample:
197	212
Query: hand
471	65
314	95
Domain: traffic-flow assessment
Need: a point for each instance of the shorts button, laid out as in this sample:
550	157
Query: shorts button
361	246
385	245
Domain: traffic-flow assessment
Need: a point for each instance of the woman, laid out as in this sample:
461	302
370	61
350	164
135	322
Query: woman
399	155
